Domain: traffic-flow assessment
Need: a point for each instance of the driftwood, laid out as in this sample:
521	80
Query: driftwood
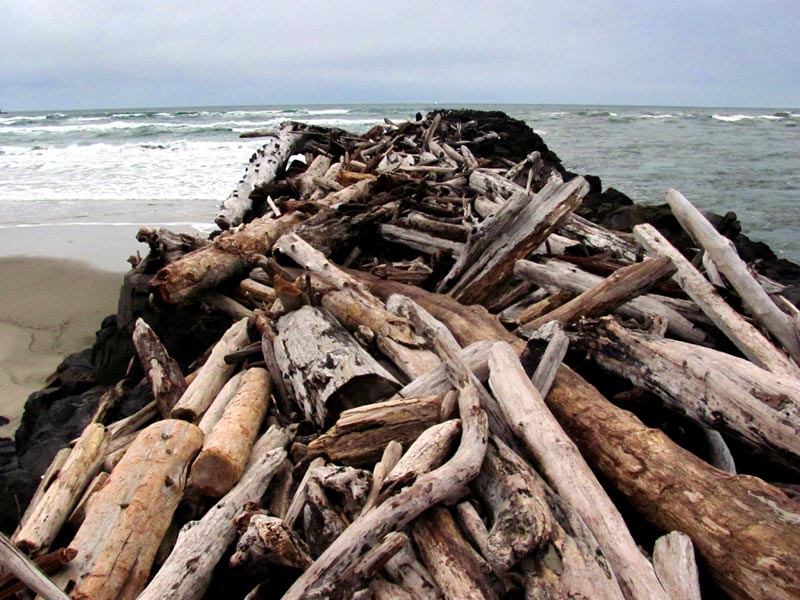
724	392
221	462
115	552
325	367
162	371
746	531
746	337
724	255
673	558
212	376
215	411
230	255
202	543
28	572
268	541
427	452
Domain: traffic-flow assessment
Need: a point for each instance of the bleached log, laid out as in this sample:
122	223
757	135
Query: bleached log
620	287
167	245
509	235
230	255
212	375
322	523
42	525
747	338
746	531
162	371
326	368
599	238
305	184
115	552
360	434
565	469
406	571
352	484
472	524
78	514
342	555
719	454
202	543
510	315
560	275
427	452
386	590
391	454
542	306
449	558
413	362
521	521
269	541
263	168
256	293
295	508
212	416
722	391
226	305
227	447
47	479
376	557
419	240
723	253
673	558
542	379
27	571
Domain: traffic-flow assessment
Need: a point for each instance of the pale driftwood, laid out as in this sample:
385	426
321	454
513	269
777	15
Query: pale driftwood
723	253
295	508
411	575
594	236
722	391
269	541
746	531
264	166
360	434
367	530
326	368
168	245
620	287
449	558
322	522
212	416
386	590
511	314
265	327
521	521
419	240
391	455
41	526
747	338
212	375
719	454
304	184
560	275
256	292
543	306
227	447
673	558
281	491
472	524
162	371
427	452
49	476
413	362
352	484
375	558
509	235
115	552
133	422
542	379
79	512
27	571
568	473
485	207
226	305
230	255
202	543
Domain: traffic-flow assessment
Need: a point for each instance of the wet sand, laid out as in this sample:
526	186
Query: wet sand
49	307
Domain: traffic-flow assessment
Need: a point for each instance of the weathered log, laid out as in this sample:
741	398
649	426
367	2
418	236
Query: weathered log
723	253
391	455
78	514
537	308
49	476
326	368
746	337
264	166
719	454
360	434
568	473
212	375
230	255
625	284
594	236
295	508
186	573
510	234
352	484
162	371
322	523
542	379
169	246
367	530
746	531
41	526
386	590
256	292
427	452
215	411
268	541
115	552
521	521
227	447
405	570
673	558
419	240
413	362
216	302
724	392
304	183
28	572
560	275
449	558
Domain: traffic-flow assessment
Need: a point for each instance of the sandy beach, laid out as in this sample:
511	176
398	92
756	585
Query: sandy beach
49	307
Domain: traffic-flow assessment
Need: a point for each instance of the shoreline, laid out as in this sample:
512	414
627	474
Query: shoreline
50	307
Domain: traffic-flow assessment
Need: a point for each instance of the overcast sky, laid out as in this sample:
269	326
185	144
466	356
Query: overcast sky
136	53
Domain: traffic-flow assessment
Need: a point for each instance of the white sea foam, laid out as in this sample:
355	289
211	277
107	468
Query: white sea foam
737	118
665	116
329	111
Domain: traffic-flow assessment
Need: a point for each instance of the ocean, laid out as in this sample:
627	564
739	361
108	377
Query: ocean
173	166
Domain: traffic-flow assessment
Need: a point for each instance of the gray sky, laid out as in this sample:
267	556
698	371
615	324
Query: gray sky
134	53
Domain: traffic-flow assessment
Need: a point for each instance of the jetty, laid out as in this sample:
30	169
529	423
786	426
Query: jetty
415	364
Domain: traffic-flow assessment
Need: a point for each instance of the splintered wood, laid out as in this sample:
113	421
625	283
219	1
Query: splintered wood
389	413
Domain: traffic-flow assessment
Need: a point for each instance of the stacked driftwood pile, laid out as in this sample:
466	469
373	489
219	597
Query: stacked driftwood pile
389	415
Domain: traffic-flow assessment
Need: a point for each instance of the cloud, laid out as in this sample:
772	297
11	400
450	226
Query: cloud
88	53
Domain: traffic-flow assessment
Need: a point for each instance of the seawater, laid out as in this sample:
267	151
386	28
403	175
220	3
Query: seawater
175	165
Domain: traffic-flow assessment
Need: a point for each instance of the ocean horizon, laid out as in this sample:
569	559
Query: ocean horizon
174	165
